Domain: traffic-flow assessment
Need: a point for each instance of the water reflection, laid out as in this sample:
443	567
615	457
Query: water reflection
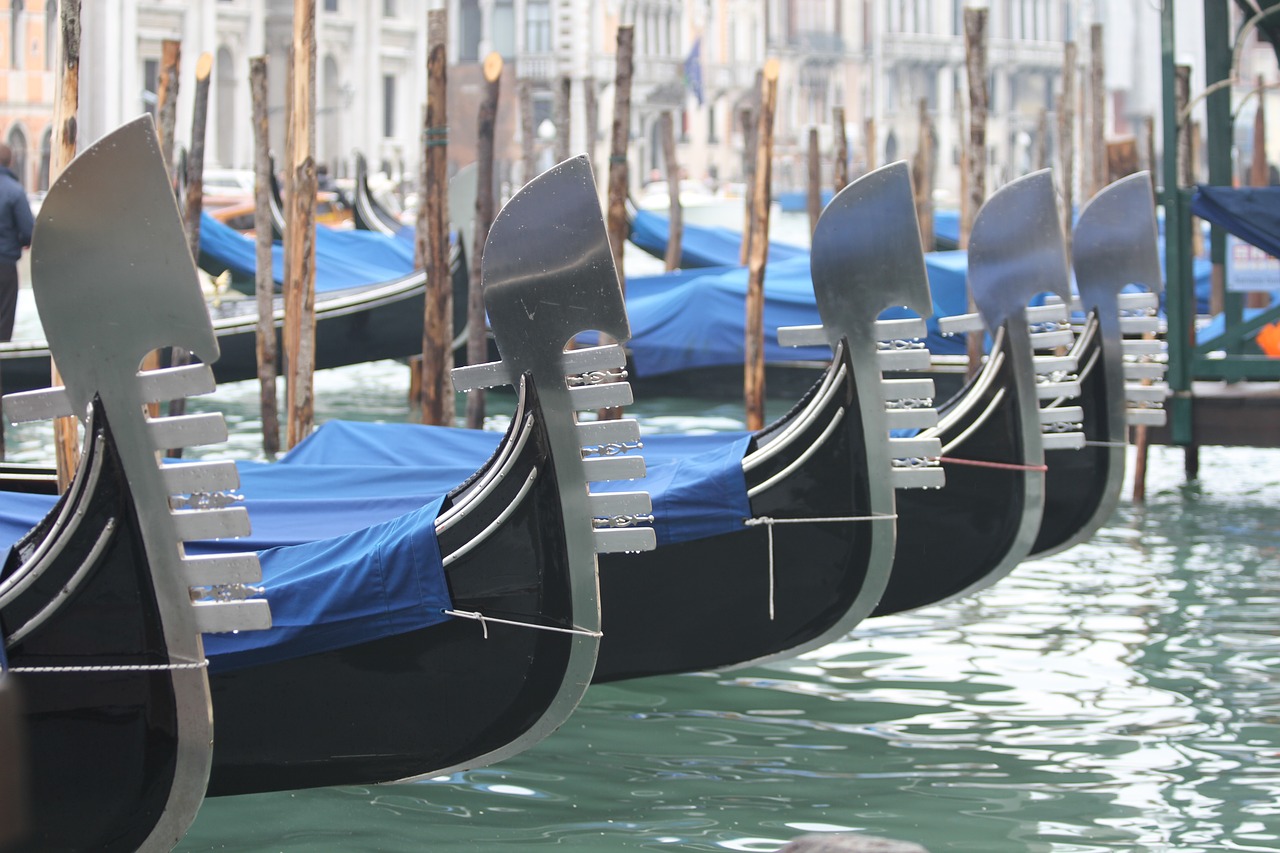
1121	696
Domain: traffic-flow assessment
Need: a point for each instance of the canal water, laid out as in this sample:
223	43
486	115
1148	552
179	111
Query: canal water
1121	696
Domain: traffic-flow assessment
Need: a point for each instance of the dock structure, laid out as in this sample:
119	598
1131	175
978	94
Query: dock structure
1225	391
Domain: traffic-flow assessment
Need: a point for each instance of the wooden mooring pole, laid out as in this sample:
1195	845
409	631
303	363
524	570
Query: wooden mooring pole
300	231
814	194
66	430
840	176
753	371
264	280
975	52
675	212
167	100
432	248
616	212
621	130
1067	140
194	202
747	117
922	174
528	130
477	340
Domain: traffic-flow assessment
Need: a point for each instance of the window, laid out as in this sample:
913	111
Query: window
388	105
16	40
388	8
331	5
469	30
502	27
537	23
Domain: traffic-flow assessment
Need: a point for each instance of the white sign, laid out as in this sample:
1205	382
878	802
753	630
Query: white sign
1249	268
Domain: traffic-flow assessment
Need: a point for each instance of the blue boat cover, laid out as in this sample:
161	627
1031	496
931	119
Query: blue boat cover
695	481
700	245
1250	213
343	258
685	319
344	526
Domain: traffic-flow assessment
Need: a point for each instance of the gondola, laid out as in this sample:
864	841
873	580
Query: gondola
354	323
1113	247
366	213
101	607
465	628
783	538
961	538
517	543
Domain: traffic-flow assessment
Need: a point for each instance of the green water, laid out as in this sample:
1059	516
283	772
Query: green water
1122	696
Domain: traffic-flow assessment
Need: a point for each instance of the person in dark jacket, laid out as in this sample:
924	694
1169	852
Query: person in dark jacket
15	235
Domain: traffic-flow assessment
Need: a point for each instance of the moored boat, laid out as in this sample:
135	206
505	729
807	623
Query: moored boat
102	607
1113	249
994	434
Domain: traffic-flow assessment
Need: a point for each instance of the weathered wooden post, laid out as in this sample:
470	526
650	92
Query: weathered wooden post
591	113
194	201
432	248
300	231
840	176
922	178
564	92
1067	140
753	375
675	212
1097	110
528	132
617	212
264	281
167	100
748	119
975	53
872	143
1042	140
195	159
477	340
813	196
66	430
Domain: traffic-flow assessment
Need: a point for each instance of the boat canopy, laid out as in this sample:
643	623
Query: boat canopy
344	526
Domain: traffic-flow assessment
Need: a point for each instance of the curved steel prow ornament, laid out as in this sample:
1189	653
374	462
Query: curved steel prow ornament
542	288
113	280
1114	246
867	258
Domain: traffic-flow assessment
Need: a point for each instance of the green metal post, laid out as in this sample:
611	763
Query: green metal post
1178	302
1217	53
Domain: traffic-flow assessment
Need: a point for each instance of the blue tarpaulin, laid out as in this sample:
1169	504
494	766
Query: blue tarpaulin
700	245
343	258
345	526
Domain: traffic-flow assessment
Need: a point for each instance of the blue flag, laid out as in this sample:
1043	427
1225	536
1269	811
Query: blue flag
693	69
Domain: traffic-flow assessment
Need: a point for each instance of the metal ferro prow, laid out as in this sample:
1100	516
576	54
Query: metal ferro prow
1114	245
867	257
548	276
1017	252
113	280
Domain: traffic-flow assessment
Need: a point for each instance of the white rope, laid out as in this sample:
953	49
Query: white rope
485	620
769	523
127	667
767	520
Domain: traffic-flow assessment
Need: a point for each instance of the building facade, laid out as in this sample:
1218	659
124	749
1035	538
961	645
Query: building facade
698	59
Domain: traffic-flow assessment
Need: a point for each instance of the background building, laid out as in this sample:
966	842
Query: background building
697	59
